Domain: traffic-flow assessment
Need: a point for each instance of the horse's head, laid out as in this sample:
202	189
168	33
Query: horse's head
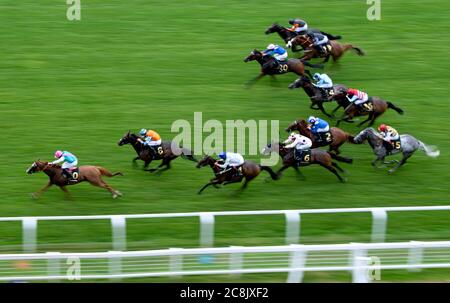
254	55
365	134
127	139
303	81
293	126
207	160
36	167
273	29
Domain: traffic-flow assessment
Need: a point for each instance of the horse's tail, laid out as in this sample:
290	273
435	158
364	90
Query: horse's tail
104	172
187	154
273	175
397	109
340	158
312	65
430	150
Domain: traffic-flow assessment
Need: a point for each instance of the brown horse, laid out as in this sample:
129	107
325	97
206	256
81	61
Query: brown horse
316	97
375	108
335	50
269	66
89	173
338	136
168	152
249	171
318	156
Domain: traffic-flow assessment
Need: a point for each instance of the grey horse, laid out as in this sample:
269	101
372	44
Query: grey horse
409	145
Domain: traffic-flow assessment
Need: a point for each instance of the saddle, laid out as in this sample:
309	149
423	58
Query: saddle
367	106
74	174
393	146
156	152
303	157
324	138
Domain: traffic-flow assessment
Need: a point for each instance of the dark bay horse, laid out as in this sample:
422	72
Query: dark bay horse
316	97
89	173
377	107
409	145
249	171
170	151
287	35
339	136
296	66
336	50
318	156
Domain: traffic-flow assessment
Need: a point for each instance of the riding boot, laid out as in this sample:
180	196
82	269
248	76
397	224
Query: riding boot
67	174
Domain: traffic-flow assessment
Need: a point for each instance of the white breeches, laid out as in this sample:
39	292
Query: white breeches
303	146
322	130
153	143
281	57
66	165
323	41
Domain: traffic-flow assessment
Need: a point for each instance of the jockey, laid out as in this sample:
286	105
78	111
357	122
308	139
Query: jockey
151	139
318	126
388	133
319	41
324	83
231	160
299	26
356	96
276	52
301	143
70	161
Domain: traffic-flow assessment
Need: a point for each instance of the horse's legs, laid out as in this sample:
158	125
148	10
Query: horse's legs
103	184
213	182
379	158
42	190
335	110
338	167
334	171
322	109
281	169
403	161
254	80
369	118
68	195
374	117
299	172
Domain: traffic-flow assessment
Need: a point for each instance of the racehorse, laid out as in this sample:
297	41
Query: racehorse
169	151
336	49
287	35
318	156
316	97
249	171
338	136
408	145
374	108
296	66
89	173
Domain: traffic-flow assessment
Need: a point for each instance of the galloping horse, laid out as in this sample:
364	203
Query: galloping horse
249	169
316	97
338	136
168	152
376	106
409	145
336	49
89	173
287	35
318	156
296	66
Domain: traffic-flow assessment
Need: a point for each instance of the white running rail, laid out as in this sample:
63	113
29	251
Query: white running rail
365	261
207	219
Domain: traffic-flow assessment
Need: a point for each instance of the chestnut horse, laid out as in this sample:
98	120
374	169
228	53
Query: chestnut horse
89	173
169	151
318	156
314	94
336	49
296	66
339	136
249	171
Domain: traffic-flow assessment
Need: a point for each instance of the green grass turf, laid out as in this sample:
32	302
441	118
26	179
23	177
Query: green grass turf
81	85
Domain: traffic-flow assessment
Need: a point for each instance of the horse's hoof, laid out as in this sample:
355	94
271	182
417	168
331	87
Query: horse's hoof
34	196
391	171
344	180
119	194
